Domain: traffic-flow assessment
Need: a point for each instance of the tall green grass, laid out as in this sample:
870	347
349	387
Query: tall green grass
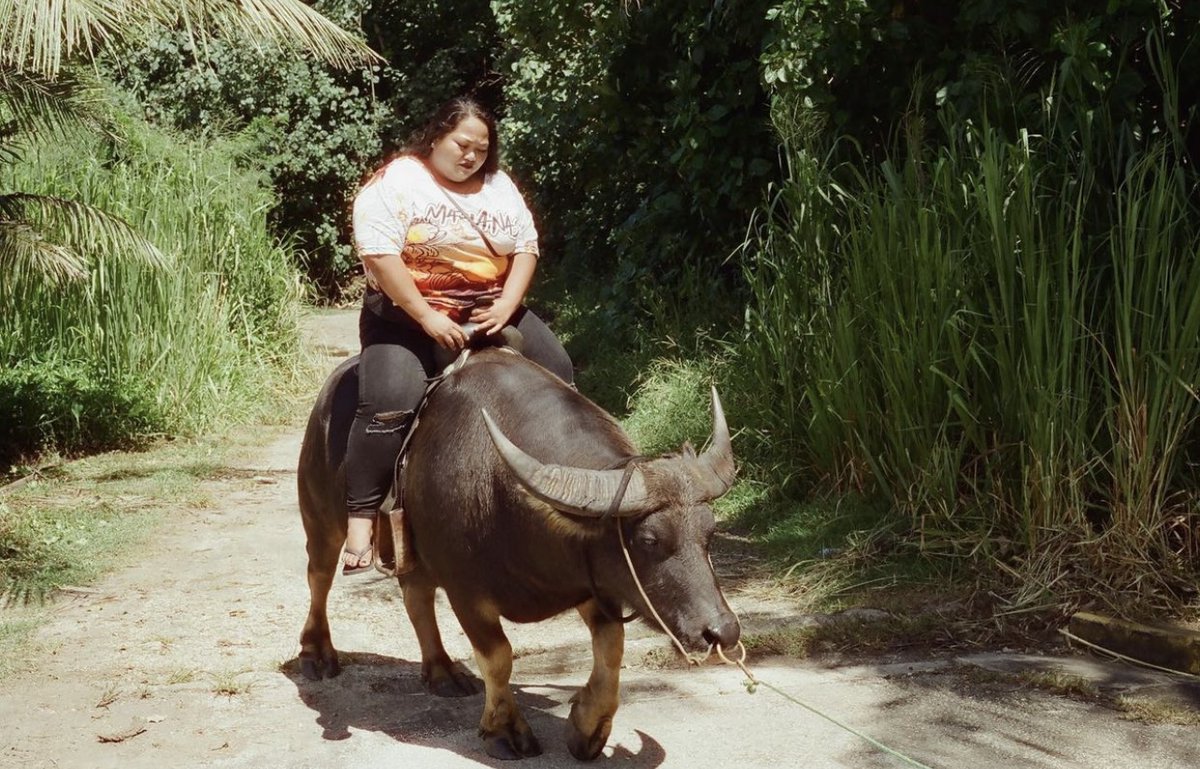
133	350
999	342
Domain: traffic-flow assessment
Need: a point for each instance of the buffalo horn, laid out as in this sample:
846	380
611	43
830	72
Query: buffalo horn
572	490
718	459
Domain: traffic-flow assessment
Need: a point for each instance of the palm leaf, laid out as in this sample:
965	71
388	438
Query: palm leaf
24	253
41	35
287	24
38	35
55	238
31	104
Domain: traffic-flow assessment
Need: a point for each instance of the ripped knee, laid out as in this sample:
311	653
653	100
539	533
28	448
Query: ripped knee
389	422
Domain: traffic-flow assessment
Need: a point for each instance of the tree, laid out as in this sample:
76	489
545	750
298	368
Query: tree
44	92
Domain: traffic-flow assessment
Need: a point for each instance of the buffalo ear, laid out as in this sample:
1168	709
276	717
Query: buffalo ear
573	490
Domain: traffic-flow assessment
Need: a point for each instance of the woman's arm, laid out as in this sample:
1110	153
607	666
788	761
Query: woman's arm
381	219
520	274
397	283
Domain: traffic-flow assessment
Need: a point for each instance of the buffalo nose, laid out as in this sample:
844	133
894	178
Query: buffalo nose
725	631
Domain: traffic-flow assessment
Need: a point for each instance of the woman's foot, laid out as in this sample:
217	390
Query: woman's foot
358	555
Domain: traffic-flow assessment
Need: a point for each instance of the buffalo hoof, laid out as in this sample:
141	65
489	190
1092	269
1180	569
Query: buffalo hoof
508	747
448	680
315	668
586	747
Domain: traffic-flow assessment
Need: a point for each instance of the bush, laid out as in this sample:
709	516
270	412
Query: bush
66	407
999	343
131	350
314	131
876	68
644	137
317	131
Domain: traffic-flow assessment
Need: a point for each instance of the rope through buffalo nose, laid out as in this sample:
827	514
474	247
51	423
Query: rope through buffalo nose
630	464
694	658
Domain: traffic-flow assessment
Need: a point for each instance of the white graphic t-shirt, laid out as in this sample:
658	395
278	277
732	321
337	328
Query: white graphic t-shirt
403	210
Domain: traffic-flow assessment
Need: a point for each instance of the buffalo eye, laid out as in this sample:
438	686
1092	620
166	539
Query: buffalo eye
647	541
652	542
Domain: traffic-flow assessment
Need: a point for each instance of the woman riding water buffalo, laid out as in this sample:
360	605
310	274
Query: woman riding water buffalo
445	238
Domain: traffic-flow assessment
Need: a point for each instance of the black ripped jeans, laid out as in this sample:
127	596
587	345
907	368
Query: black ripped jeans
396	359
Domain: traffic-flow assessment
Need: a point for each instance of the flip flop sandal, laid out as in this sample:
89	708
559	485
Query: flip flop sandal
358	555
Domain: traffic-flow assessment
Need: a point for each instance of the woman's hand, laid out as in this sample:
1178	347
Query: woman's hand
443	331
493	317
397	283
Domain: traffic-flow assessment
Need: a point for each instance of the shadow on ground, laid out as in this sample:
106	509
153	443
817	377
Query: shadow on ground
384	694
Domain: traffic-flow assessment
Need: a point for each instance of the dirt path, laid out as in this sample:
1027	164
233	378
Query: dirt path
186	659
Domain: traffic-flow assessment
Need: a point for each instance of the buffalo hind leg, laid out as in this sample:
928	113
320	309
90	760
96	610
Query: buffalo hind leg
441	676
594	705
505	733
318	658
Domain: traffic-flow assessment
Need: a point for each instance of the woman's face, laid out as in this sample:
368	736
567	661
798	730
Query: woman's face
459	154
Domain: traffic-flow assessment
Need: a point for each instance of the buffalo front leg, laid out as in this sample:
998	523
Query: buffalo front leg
505	733
595	704
318	658
441	676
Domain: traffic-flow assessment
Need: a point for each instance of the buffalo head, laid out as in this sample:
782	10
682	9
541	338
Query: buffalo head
664	519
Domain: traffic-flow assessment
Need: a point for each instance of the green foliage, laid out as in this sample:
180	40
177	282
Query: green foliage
44	38
45	92
132	349
66	406
34	105
868	65
436	50
316	130
313	129
975	290
671	406
643	134
998	343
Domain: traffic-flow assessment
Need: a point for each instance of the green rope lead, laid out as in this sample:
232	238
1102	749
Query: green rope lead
751	685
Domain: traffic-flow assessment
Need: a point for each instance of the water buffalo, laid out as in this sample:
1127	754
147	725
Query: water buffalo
509	482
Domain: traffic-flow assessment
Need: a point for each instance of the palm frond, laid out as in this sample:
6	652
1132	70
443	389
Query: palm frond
33	105
266	24
24	253
41	35
56	238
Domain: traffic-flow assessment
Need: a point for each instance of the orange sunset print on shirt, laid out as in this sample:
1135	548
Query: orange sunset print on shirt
402	210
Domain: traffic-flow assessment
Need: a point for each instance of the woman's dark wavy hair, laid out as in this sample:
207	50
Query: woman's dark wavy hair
445	120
